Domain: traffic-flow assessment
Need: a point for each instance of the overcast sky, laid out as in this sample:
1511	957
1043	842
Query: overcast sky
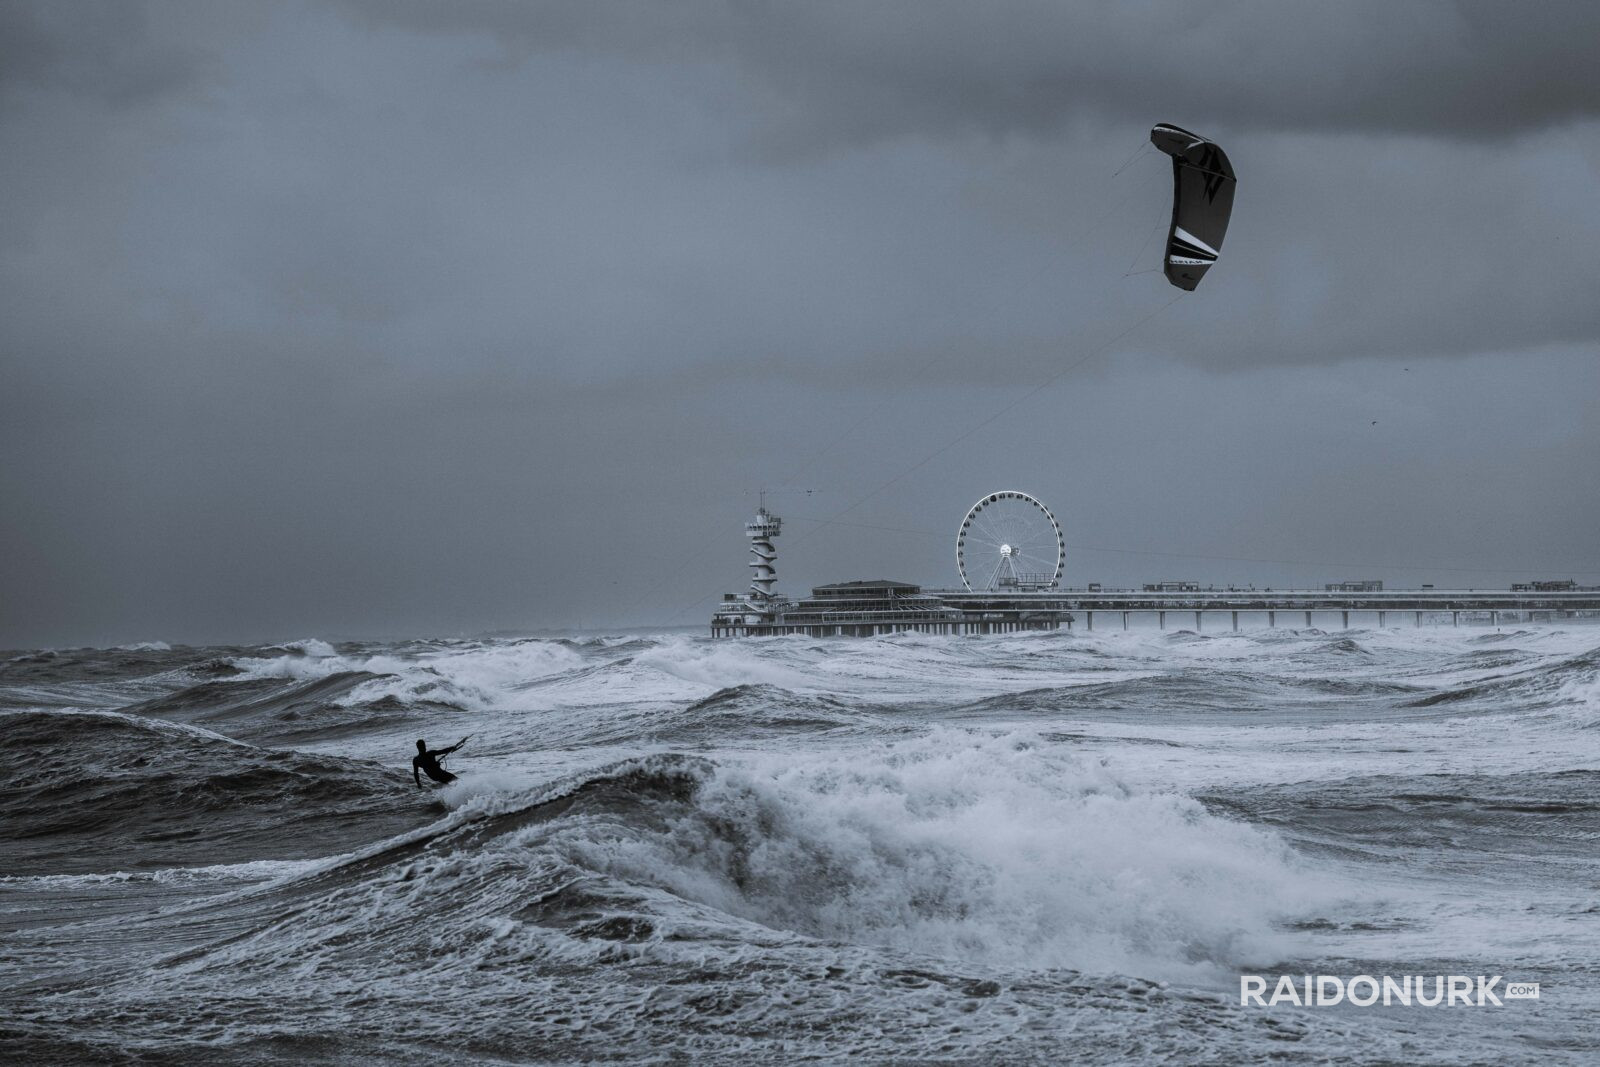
382	318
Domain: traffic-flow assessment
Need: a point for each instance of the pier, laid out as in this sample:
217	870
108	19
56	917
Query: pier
872	608
1032	602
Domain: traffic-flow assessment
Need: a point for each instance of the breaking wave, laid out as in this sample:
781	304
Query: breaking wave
989	852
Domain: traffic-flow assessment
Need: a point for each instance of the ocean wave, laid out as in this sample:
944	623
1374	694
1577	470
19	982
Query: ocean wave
102	665
724	665
1204	689
480	676
988	852
105	791
1565	680
1500	637
314	647
1445	822
279	711
761	708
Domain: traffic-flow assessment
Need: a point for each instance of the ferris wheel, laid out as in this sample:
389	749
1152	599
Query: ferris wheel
1009	540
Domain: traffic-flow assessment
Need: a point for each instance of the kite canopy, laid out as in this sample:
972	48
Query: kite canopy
1202	200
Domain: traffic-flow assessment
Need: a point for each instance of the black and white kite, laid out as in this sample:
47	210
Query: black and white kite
1202	200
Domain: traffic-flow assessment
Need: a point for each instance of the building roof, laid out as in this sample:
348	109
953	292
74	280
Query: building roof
874	583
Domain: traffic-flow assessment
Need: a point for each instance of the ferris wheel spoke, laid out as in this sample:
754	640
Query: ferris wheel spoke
1037	564
1039	555
988	530
985	539
1008	525
1032	539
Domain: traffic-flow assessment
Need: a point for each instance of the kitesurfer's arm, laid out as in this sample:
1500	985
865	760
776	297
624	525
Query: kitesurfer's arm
452	748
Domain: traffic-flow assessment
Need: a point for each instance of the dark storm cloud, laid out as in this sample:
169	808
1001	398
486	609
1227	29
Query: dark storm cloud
393	317
104	49
853	72
1430	150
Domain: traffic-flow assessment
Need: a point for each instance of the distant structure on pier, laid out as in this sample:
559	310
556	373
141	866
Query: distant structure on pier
1363	585
761	530
1009	540
759	605
1009	553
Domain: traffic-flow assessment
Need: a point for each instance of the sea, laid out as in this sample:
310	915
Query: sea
1041	848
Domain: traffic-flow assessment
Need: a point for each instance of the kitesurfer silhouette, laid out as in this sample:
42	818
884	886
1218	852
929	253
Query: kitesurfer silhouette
428	762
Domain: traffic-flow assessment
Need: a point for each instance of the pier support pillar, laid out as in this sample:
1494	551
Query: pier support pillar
1272	619
1124	622
1308	620
1346	620
1455	618
1236	622
1197	624
1494	619
1419	620
1161	619
1088	617
1383	617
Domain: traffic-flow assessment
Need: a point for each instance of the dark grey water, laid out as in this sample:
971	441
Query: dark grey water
1043	848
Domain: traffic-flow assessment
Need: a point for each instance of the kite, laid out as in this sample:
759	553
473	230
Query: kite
1202	201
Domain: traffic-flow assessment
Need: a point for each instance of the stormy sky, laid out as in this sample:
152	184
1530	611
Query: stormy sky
384	317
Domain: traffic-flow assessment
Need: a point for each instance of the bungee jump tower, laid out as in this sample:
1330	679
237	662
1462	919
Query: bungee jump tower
759	609
761	530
